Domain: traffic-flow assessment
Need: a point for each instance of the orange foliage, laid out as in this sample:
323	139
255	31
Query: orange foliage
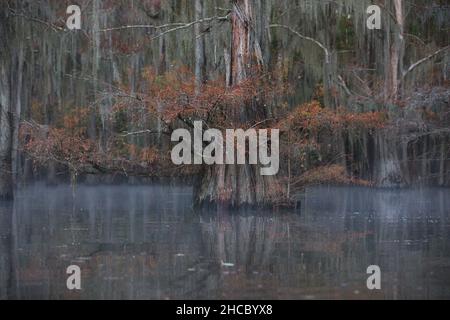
55	144
174	96
76	121
333	174
313	116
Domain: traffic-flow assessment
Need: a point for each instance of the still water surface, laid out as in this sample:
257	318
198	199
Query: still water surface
146	242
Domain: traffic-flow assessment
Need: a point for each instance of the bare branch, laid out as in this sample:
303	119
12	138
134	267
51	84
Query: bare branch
191	24
421	61
48	24
344	85
172	26
142	26
327	52
135	133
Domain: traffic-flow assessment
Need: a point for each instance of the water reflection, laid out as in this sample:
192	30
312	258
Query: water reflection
135	242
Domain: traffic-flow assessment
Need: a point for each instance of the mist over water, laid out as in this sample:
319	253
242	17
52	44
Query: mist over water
147	242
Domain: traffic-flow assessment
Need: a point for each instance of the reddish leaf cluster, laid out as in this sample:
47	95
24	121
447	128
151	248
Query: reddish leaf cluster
314	117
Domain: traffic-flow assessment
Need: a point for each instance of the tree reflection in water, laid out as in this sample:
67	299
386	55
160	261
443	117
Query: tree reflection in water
146	242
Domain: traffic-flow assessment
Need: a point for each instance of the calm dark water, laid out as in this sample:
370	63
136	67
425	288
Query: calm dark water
135	242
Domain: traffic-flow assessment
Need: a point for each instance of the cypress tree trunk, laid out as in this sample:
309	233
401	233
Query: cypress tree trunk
239	185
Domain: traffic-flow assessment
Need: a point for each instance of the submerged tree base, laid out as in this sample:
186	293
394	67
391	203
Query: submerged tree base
235	186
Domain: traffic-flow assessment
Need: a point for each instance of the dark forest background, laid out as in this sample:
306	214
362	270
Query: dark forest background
355	106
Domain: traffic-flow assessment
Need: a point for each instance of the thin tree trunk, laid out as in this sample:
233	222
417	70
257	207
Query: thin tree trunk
6	134
396	53
424	161
199	46
17	114
92	132
288	193
443	153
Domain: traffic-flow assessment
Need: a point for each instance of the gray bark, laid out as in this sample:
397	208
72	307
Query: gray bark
6	133
199	46
17	114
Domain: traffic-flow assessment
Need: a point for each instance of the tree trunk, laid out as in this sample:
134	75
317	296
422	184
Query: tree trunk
395	66
239	186
443	153
8	112
6	134
388	169
199	46
17	114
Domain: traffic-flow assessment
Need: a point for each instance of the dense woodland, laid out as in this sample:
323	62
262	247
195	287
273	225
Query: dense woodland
354	106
